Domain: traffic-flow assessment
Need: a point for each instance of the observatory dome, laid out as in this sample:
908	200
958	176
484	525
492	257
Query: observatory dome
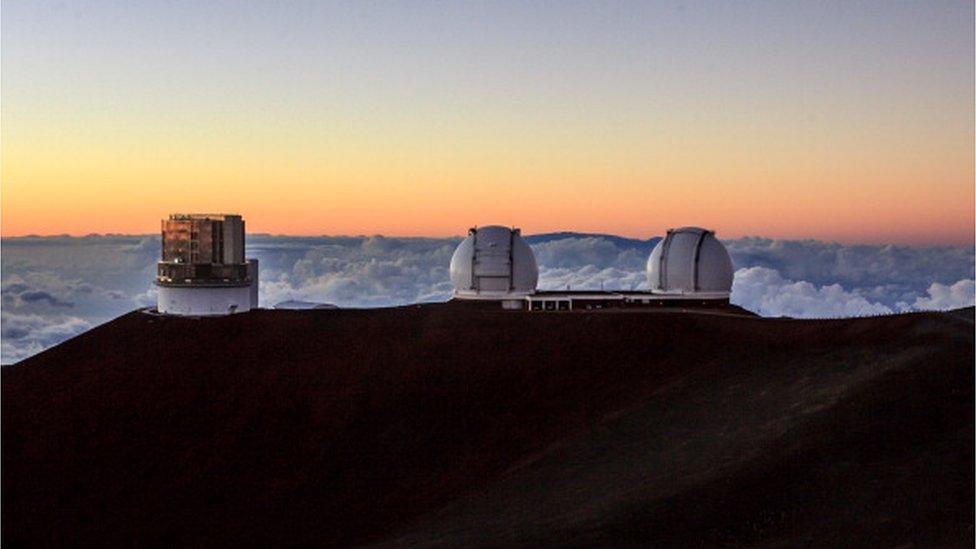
691	261
493	262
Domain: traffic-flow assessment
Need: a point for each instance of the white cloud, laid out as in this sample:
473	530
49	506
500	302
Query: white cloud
358	272
896	268
941	297
766	292
57	281
596	251
590	277
25	335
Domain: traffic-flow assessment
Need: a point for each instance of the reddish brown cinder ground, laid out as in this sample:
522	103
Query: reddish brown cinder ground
463	424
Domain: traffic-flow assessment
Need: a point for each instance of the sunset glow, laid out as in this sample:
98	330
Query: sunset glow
839	122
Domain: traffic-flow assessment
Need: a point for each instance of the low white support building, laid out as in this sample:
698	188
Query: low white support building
570	301
544	301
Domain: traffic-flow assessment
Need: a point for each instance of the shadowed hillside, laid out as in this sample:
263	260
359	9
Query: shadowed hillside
458	424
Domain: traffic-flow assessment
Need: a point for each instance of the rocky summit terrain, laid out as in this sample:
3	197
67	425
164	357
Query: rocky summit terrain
463	424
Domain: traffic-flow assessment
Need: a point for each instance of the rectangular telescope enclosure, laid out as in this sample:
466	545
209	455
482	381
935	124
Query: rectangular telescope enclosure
203	249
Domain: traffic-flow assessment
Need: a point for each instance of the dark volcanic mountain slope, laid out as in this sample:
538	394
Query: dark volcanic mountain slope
458	424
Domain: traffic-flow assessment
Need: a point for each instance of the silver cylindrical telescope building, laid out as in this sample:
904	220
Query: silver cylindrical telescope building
203	271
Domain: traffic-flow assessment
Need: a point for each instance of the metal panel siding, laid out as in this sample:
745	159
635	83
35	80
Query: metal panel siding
492	249
253	275
493	262
680	262
525	271
493	283
184	300
690	260
654	274
462	265
233	240
715	269
696	262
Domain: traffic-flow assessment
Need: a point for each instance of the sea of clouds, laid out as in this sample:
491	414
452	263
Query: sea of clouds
54	288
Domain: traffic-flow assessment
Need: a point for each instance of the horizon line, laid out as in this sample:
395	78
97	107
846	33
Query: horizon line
971	242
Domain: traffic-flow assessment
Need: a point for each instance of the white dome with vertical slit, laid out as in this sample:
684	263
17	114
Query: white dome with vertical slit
690	261
493	262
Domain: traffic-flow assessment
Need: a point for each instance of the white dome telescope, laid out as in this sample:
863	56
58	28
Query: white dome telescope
690	261
493	262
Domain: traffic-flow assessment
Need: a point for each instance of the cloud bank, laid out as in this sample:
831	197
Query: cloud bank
56	287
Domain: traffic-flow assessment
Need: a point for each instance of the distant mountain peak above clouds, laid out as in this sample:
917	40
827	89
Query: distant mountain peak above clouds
622	241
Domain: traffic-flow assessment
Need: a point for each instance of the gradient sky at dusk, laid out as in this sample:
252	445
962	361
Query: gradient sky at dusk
849	121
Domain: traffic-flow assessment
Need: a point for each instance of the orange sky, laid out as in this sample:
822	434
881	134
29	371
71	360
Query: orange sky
856	128
914	192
